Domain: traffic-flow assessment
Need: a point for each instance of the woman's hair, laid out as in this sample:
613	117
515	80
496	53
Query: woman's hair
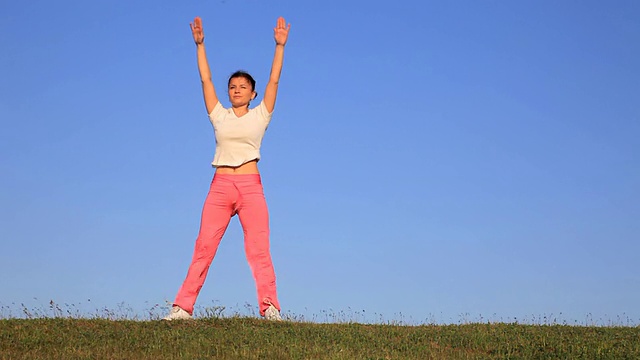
243	74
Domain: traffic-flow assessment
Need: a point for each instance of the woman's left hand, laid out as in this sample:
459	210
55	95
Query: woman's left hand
281	31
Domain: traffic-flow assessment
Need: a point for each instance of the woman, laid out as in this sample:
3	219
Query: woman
236	186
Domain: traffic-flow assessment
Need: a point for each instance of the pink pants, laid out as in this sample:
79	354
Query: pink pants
230	195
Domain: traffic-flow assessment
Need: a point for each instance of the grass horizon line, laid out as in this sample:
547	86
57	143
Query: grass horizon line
157	311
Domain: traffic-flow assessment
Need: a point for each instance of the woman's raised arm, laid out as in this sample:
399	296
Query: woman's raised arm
208	91
280	34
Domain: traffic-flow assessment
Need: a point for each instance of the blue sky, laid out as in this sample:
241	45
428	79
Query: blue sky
425	160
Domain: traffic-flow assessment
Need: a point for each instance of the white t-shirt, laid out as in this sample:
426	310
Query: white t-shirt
238	139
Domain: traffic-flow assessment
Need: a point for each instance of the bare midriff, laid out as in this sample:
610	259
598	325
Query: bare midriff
250	167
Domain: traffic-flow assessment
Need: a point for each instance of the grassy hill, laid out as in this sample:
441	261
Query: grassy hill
252	338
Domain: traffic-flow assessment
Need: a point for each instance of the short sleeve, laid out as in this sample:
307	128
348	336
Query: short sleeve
264	114
216	113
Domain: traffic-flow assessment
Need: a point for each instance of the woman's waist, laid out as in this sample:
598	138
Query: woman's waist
248	168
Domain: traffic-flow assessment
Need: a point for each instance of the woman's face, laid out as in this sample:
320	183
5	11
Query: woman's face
240	92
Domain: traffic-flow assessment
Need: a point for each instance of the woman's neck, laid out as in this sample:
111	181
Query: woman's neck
240	111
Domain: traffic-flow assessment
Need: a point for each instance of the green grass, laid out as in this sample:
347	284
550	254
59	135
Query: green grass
252	338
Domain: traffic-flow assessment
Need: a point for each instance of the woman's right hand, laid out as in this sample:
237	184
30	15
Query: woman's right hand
196	30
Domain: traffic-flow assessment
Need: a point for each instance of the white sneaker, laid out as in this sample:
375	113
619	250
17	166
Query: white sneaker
272	314
177	313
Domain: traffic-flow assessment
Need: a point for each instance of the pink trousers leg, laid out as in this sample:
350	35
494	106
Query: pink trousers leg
216	213
254	217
